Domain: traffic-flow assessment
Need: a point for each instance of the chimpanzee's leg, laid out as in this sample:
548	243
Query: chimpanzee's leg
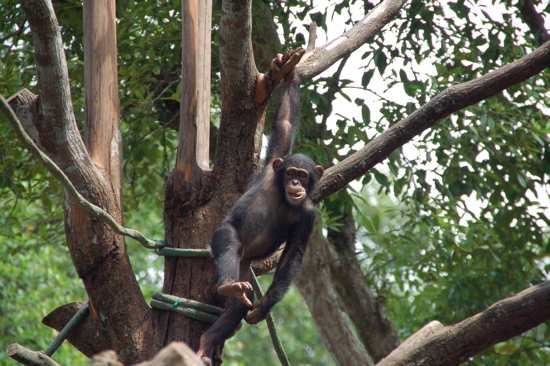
228	322
227	250
223	328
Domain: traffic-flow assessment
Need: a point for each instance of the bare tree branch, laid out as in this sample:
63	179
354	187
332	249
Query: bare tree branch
238	82
55	107
454	344
317	288
101	122
453	99
238	71
30	358
194	126
324	57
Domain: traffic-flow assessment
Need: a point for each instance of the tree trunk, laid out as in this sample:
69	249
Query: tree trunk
315	285
101	122
364	309
98	254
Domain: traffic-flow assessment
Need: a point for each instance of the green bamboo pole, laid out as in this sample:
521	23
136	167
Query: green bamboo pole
177	252
75	320
186	303
190	313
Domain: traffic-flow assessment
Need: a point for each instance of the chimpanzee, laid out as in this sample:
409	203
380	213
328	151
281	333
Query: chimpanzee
275	209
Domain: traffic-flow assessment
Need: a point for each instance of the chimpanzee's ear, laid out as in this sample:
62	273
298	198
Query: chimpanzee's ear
276	163
320	171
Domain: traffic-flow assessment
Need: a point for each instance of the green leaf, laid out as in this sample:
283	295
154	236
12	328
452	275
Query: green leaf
367	76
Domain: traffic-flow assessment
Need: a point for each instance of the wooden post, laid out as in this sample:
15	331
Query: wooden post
194	132
102	125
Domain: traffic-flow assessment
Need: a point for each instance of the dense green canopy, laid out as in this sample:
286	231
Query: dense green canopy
453	222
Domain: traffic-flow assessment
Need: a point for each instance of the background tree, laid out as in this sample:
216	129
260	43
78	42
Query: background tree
447	254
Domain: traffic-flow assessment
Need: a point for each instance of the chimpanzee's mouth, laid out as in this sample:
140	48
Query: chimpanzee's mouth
297	195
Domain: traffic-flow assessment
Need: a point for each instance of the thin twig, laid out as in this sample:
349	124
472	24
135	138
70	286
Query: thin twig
277	344
380	266
341	258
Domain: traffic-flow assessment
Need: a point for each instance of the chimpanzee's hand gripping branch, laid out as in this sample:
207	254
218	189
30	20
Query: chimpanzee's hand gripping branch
275	209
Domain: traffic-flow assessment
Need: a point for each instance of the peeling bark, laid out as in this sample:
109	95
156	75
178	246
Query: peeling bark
364	30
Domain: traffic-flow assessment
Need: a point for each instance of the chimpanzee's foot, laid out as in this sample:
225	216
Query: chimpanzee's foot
236	289
206	360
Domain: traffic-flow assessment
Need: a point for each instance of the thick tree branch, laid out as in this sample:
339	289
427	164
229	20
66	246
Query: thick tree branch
238	71
194	126
324	57
316	286
98	253
365	310
454	344
30	358
101	123
59	135
453	99
56	124
238	82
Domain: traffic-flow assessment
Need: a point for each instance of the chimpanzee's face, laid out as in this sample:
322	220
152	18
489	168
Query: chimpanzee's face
295	182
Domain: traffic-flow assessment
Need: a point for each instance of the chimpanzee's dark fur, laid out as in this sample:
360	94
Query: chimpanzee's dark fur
275	209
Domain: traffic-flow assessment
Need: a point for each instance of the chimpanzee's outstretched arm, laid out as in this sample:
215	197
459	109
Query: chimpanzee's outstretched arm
286	120
288	268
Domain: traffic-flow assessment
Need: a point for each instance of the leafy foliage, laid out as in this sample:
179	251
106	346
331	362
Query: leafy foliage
448	225
467	218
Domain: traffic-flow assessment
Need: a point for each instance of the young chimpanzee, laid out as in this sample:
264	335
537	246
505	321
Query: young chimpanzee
275	209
